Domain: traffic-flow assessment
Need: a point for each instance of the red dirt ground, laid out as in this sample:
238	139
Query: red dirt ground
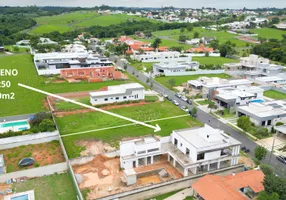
248	39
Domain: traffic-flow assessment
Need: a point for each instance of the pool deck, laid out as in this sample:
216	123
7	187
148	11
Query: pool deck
30	193
18	125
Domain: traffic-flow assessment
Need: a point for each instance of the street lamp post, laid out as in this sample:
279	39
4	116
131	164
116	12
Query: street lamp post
272	148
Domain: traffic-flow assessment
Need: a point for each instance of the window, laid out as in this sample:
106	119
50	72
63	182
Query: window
175	142
117	98
181	144
141	152
201	156
151	150
125	97
106	99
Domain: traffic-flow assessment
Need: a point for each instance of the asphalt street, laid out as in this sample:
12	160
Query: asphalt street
204	117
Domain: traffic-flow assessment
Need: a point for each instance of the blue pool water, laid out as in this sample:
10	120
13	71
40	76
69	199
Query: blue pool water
257	101
22	197
11	124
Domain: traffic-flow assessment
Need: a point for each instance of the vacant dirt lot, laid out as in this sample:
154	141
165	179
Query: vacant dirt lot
94	147
44	154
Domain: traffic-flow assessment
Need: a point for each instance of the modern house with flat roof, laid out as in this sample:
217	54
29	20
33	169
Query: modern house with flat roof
209	85
241	95
191	151
52	63
165	68
265	114
152	56
118	93
271	80
237	186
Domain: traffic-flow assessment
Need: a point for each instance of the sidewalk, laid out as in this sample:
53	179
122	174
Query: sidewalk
181	195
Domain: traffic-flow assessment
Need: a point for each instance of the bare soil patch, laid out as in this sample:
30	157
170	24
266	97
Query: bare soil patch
94	147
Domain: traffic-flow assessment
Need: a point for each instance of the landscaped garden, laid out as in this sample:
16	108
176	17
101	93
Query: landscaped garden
172	81
95	120
274	94
29	101
43	154
56	186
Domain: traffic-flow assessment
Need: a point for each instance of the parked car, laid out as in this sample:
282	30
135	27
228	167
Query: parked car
244	149
184	108
166	96
189	101
184	98
178	95
26	162
281	159
176	103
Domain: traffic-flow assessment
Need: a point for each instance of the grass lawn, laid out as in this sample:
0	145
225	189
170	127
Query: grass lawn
29	101
96	120
274	94
222	36
164	196
21	49
179	80
141	65
204	102
44	154
269	33
56	186
214	60
80	19
169	43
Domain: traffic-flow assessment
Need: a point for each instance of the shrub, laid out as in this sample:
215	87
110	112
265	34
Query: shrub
279	124
244	123
39	117
47	125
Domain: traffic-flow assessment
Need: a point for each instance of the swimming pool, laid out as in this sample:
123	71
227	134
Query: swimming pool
12	124
22	197
257	101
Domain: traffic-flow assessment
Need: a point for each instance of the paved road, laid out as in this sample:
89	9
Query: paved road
204	117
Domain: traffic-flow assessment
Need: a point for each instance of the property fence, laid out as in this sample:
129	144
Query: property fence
189	73
70	170
165	187
35	172
81	160
11	142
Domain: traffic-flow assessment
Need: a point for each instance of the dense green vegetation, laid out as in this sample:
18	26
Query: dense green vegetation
56	186
273	49
95	120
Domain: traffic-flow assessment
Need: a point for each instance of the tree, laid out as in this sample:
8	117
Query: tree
265	196
47	125
39	117
214	44
212	105
244	123
156	43
260	152
266	169
275	20
194	111
226	49
182	30
196	35
275	184
190	28
183	38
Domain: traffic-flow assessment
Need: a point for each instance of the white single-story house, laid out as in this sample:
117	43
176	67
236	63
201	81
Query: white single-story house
172	67
118	93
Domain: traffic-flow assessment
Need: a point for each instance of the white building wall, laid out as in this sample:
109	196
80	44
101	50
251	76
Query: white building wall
121	98
212	155
127	149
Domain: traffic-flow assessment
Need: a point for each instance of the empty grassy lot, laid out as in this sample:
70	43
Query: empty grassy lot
222	36
56	186
214	60
274	94
44	154
179	80
27	101
269	33
79	19
96	120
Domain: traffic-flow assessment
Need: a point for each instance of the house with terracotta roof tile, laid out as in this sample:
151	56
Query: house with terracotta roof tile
237	186
201	49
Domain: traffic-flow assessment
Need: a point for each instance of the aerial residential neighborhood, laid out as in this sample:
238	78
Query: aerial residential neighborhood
142	100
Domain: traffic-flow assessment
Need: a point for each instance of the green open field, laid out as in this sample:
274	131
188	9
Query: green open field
214	60
179	80
269	33
79	19
274	94
27	101
56	186
222	36
95	120
169	43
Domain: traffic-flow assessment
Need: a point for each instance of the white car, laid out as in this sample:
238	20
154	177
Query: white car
184	108
184	98
176	103
178	95
165	95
